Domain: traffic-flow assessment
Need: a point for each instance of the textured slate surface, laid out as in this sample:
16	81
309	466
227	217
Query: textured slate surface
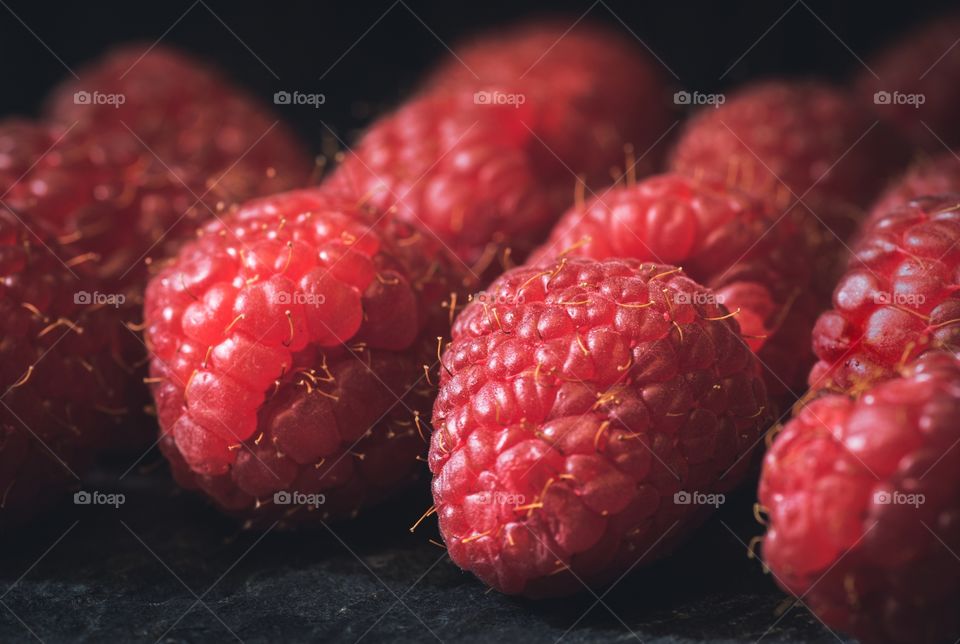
164	566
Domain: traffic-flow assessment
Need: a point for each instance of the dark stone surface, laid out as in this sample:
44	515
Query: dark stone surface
165	566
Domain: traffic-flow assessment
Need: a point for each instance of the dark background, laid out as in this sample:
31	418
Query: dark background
102	574
297	42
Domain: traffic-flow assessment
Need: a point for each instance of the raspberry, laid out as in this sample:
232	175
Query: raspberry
119	183
898	298
912	84
63	386
863	507
933	176
183	144
724	239
575	401
783	142
42	184
460	171
288	347
592	91
480	172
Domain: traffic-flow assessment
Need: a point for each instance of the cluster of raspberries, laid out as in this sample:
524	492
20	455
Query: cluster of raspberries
594	322
120	169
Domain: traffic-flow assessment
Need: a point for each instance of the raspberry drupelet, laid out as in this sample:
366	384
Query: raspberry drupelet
288	349
897	299
863	503
576	400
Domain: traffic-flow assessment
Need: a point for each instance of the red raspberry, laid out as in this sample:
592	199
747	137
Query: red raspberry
897	299
781	142
592	91
42	183
864	511
757	265
183	144
118	184
463	172
288	348
912	84
576	400
61	377
933	176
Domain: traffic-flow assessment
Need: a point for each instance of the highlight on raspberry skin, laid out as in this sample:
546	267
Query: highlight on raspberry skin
288	349
583	406
862	498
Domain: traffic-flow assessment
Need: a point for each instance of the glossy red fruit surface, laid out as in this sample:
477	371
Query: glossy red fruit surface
586	411
761	266
897	299
288	345
463	173
863	500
